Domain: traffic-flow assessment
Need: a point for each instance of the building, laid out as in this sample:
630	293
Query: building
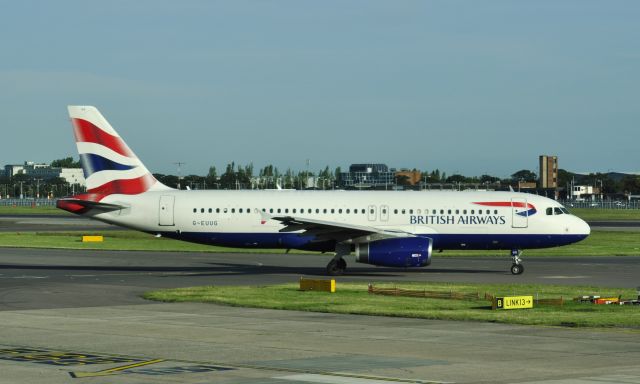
584	192
548	172
375	176
45	172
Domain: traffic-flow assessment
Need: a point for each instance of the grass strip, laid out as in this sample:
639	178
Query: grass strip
113	241
29	210
603	214
352	298
600	243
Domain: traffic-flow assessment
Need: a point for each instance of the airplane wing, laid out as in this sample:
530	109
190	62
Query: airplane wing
330	230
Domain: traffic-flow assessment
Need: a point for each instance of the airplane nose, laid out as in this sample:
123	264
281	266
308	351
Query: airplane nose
587	228
582	228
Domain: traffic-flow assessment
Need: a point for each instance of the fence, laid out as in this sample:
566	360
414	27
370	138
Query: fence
28	202
607	204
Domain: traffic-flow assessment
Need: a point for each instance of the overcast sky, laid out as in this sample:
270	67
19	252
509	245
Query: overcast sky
468	87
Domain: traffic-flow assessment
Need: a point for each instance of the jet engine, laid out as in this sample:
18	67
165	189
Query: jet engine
396	252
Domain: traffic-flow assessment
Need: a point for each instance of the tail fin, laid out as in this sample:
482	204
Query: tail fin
109	166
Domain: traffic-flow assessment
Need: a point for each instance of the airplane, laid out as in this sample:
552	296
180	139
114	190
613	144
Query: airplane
382	228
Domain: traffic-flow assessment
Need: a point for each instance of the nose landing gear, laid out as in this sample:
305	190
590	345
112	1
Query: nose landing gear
516	268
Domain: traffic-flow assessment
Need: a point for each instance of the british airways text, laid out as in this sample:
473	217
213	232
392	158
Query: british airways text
450	219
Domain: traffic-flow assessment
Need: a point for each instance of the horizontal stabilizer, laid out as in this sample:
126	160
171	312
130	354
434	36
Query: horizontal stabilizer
81	206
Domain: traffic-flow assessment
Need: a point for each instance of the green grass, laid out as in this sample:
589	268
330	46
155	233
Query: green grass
602	214
113	241
600	243
353	298
28	210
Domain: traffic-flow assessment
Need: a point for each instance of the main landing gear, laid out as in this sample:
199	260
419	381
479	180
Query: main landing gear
516	268
338	265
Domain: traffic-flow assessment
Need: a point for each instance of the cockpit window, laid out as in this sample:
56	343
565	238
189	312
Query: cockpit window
565	210
549	211
557	211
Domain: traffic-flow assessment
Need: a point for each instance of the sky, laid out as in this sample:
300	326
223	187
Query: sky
469	87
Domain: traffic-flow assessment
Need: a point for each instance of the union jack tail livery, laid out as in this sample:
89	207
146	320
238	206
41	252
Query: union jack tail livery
110	166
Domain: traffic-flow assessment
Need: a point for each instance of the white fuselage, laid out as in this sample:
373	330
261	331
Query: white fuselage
454	220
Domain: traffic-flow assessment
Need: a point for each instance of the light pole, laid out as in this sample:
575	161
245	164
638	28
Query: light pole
37	188
179	164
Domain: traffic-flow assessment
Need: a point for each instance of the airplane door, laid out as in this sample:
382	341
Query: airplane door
519	213
371	213
384	213
165	211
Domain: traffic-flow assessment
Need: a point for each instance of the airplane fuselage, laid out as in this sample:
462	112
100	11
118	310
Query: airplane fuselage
454	220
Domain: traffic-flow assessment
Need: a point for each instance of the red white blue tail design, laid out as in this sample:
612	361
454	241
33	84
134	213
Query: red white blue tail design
110	166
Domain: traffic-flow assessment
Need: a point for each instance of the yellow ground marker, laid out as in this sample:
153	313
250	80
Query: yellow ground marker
317	285
92	239
114	371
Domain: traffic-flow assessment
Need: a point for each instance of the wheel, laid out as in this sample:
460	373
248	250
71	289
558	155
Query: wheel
336	267
517	269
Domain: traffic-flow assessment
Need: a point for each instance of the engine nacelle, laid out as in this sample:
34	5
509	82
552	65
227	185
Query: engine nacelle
400	252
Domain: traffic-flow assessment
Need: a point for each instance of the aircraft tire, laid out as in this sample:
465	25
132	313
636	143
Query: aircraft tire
517	269
336	267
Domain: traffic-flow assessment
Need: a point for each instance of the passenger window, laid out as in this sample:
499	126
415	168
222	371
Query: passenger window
240	210
495	211
464	212
324	210
384	211
249	210
195	210
479	211
340	210
279	210
348	210
411	211
371	211
217	210
233	210
270	210
395	211
210	210
226	210
362	211
317	210
449	211
457	211
403	211
473	212
201	210
442	211
294	210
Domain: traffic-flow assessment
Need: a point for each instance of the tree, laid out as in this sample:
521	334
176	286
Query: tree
524	175
212	178
67	162
456	179
489	179
403	180
631	184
